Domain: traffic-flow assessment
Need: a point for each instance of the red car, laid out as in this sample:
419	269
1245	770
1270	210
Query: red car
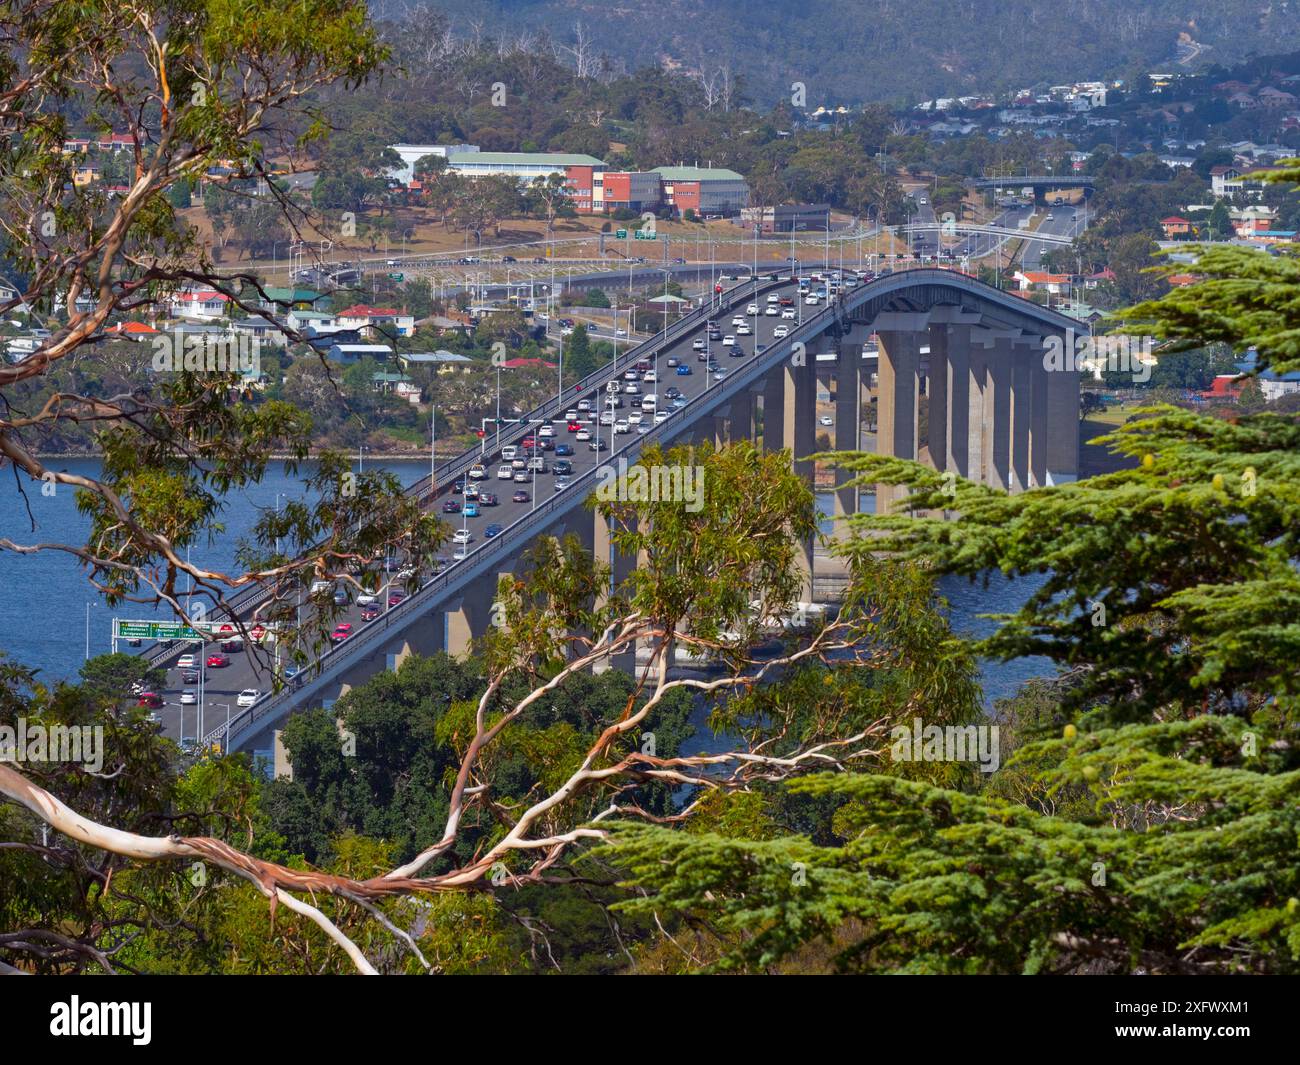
217	661
520	497
341	633
528	441
395	598
152	700
574	426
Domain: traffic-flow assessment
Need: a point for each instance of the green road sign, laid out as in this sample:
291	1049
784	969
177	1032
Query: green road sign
396	277
621	234
156	630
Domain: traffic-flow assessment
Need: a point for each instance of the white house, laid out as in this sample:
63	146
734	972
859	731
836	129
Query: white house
369	320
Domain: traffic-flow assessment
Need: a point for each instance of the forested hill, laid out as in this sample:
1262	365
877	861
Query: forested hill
847	51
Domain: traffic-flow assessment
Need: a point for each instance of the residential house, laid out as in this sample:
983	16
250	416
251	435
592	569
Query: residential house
202	304
1175	227
371	321
1038	281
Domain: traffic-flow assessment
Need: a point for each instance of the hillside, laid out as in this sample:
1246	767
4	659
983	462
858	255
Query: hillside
852	50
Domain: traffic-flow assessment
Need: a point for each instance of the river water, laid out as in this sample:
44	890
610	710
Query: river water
50	616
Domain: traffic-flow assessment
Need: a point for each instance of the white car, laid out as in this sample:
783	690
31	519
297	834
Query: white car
744	331
522	477
633	389
634	418
606	418
582	434
649	377
698	343
570	415
248	697
752	309
504	473
662	416
185	662
546	430
620	332
772	310
826	419
812	301
510	451
366	597
477	472
738	320
461	536
788	313
620	427
460	554
584	404
728	341
780	331
319	586
773	298
189	697
630	375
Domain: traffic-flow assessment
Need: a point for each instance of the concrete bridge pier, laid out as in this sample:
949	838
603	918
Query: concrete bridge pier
848	422
606	551
899	335
1023	352
1038	423
1062	426
469	614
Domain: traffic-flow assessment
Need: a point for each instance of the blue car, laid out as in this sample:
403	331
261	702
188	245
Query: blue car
683	370
492	530
471	510
564	449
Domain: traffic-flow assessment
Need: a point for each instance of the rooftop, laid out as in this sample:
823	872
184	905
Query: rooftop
696	173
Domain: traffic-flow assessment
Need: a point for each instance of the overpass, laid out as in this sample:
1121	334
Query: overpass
1038	182
996	416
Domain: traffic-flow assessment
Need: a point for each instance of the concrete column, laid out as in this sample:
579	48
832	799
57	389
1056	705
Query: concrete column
606	552
848	422
469	615
1038	424
997	405
1062	426
978	416
1023	354
774	411
740	417
800	429
899	337
800	434
955	341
